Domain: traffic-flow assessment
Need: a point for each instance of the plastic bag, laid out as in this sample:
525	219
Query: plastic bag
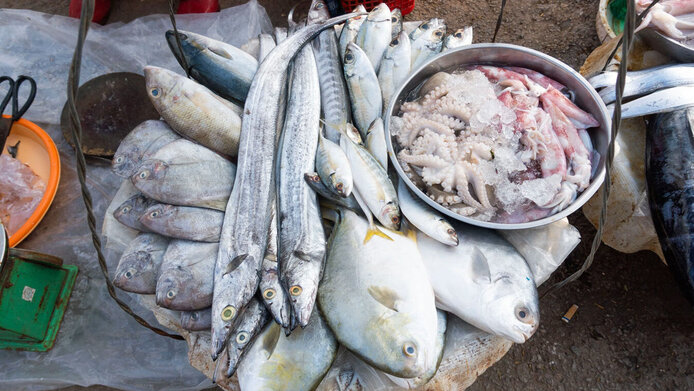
98	343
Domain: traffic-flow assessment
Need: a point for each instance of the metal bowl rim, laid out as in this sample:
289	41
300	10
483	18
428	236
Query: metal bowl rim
596	181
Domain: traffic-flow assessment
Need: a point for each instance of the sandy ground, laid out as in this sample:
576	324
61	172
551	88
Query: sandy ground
633	330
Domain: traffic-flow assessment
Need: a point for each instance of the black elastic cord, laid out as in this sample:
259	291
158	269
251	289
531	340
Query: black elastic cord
498	21
76	128
184	64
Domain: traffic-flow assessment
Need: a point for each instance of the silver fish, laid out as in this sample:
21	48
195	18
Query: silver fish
364	91
267	43
395	67
295	362
639	84
461	37
609	78
349	373
316	184
270	287
280	34
184	173
377	300
663	101
247	218
143	141
184	222
373	184
223	68
198	320
301	238
193	111
434	359
185	279
333	90
376	142
139	265
252	321
375	34
333	167
130	211
425	218
396	22
351	29
484	271
427	41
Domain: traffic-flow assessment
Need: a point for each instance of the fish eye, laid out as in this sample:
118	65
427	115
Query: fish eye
130	273
425	26
458	35
242	338
269	293
154	214
295	290
451	231
409	350
155	92
349	57
395	42
171	294
394	19
395	219
125	209
438	33
319	6
119	159
523	314
228	313
339	186
195	316
143	174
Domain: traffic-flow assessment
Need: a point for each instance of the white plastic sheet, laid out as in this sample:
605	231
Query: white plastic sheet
97	342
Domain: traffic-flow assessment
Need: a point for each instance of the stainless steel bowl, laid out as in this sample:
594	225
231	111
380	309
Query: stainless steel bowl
666	45
508	55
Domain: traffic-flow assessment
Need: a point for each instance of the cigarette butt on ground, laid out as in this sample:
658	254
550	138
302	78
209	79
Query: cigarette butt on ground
570	313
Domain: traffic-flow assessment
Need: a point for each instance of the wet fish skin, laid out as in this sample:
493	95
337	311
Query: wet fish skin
193	111
184	222
396	22
395	66
670	180
185	280
295	362
301	238
247	218
484	271
434	359
373	184
426	41
130	211
139	265
461	37
376	142
223	68
351	29
375	34
143	141
362	84
252	321
662	101
198	320
378	291
333	90
187	174
316	184
425	218
639	84
333	168
270	287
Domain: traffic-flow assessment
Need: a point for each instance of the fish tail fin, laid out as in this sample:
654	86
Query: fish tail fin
375	231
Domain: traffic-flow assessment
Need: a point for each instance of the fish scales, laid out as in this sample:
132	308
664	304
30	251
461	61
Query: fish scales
333	89
247	219
301	238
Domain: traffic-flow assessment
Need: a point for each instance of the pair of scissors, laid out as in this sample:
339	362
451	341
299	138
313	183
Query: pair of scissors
16	112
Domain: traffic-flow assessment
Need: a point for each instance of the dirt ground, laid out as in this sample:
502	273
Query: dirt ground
633	329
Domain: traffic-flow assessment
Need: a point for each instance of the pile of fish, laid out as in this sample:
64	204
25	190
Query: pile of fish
250	216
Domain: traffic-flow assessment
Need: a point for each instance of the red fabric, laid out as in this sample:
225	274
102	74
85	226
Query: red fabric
197	6
101	8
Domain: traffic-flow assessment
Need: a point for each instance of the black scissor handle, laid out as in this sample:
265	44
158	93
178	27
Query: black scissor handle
17	112
8	96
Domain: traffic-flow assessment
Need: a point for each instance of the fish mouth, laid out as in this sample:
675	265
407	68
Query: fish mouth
522	334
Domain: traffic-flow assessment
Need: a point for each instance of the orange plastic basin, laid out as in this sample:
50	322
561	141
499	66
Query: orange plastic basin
38	151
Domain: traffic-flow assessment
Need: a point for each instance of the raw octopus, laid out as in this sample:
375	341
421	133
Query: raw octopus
496	144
